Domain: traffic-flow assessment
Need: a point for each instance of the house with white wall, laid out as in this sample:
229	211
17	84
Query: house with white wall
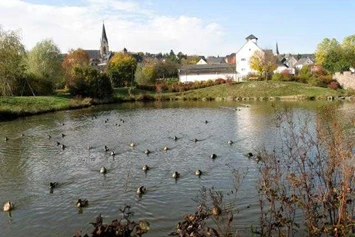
205	72
243	57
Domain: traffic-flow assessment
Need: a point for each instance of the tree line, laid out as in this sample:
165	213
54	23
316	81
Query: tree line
44	69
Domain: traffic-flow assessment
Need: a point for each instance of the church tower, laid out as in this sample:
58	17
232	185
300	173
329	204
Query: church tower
104	49
277	49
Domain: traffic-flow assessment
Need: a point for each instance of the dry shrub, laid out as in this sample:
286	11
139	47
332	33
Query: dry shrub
121	227
145	97
310	174
212	206
161	87
334	84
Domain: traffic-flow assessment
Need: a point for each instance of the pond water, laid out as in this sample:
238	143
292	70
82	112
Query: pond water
30	161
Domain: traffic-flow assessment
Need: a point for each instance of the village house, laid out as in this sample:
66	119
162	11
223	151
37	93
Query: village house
205	72
210	68
244	55
303	62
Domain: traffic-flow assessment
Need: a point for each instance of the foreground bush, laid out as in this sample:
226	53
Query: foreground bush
311	174
33	85
121	227
89	82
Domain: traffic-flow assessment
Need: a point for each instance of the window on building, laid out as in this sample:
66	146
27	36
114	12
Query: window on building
243	59
243	69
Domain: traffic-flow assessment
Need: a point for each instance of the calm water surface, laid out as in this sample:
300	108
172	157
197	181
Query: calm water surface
28	163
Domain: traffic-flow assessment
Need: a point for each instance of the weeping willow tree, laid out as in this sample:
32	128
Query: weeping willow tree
12	61
44	61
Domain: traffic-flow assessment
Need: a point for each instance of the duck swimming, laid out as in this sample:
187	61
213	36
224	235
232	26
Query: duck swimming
9	206
198	172
113	153
147	152
106	148
132	145
6	139
141	190
53	184
103	170
213	156
230	142
175	175
165	148
145	168
82	203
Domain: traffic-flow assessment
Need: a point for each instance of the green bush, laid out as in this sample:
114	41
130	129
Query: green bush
321	81
146	87
283	76
277	77
89	82
31	84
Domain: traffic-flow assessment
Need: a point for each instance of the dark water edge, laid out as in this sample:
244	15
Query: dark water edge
12	115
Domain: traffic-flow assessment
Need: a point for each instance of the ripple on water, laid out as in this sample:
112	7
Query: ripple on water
28	164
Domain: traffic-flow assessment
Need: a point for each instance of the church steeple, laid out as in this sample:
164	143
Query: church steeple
104	49
277	49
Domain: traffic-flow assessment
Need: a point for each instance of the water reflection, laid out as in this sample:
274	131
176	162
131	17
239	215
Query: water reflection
29	163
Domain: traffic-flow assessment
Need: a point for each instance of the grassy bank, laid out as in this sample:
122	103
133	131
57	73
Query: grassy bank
11	107
261	89
22	106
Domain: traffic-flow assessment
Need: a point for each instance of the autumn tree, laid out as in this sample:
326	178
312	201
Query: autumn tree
121	69
324	48
74	58
12	61
264	62
192	59
44	61
335	57
348	45
145	74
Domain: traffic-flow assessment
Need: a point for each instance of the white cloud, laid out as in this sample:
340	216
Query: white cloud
127	25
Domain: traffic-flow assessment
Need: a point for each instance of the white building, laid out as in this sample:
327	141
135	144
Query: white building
205	72
243	57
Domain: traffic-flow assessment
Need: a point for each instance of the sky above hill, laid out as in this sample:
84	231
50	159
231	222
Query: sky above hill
202	27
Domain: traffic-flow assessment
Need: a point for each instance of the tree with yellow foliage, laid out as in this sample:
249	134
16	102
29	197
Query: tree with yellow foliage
264	62
121	69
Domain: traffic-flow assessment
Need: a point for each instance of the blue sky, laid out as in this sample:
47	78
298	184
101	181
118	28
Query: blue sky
201	27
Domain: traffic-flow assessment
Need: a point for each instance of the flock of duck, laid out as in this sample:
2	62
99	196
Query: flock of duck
9	206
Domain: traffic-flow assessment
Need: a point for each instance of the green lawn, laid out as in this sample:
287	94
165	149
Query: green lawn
261	89
27	105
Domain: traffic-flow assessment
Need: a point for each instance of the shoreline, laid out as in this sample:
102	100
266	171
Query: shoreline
15	107
12	115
